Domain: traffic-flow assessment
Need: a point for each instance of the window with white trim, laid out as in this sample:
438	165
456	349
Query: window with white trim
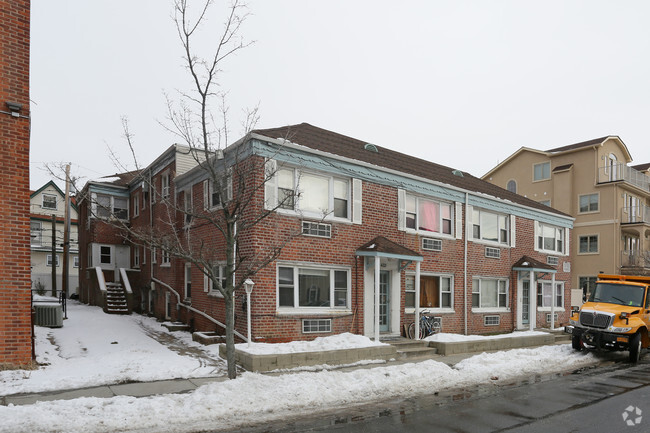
490	227
549	238
217	192
136	256
491	320
310	228
436	291
588	244
219	272
545	294
49	260
588	203
542	171
75	261
164	257
164	185
428	215
136	204
49	201
313	326
108	206
106	254
313	287
36	233
489	293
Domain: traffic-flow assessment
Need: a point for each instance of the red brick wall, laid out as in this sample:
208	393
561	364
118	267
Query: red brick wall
15	300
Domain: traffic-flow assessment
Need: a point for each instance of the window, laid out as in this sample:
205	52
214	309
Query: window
187	206
310	228
512	186
491	320
136	205
494	253
489	293
154	258
106	206
435	291
220	273
136	256
552	260
36	233
49	260
542	171
490	227
105	255
588	244
544	294
164	258
546	203
550	238
75	261
164	185
588	203
312	326
313	287
49	201
428	215
587	285
213	191
286	188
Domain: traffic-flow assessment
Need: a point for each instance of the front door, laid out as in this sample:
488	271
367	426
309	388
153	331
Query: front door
384	301
525	303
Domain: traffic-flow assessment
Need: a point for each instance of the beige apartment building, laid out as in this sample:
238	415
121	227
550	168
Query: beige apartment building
594	182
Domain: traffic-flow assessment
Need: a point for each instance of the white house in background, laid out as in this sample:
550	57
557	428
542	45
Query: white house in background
46	202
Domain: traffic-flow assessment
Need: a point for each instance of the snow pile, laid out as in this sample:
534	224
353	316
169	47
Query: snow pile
255	397
452	338
333	342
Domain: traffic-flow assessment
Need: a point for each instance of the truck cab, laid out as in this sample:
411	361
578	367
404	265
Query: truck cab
616	316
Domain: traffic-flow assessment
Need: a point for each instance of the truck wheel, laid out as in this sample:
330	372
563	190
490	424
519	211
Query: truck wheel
635	348
576	343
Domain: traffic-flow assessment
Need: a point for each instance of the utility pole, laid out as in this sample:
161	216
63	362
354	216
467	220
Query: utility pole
54	255
66	235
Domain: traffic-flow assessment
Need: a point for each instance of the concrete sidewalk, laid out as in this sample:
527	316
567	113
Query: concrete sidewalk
177	386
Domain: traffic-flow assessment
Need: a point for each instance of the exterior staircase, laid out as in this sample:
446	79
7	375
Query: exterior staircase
116	302
412	349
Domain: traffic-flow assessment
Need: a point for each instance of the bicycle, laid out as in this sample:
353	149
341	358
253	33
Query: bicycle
428	326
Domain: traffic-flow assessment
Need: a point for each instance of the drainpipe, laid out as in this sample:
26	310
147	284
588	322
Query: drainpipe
465	264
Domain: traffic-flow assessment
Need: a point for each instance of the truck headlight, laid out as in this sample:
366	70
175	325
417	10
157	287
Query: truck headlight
573	322
618	330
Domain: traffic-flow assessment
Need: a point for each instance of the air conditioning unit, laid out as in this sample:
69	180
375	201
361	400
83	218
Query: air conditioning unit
50	315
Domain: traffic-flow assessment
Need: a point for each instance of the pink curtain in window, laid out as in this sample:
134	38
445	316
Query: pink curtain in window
429	216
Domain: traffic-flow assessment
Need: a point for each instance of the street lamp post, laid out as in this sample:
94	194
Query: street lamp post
248	286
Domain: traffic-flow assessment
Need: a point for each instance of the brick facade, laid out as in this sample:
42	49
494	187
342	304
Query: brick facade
15	296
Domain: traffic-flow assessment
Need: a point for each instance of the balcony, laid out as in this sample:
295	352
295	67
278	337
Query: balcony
621	172
635	215
635	262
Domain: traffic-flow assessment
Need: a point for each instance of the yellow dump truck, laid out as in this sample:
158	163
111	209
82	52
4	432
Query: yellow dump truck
616	316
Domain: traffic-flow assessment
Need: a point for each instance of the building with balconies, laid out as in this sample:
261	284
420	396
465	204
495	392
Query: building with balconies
594	182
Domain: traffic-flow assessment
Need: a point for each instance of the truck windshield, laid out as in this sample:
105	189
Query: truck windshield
622	294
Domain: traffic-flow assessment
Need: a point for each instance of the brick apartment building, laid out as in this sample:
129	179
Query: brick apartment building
15	295
377	228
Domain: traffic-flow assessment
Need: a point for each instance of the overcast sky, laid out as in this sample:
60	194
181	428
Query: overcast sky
460	83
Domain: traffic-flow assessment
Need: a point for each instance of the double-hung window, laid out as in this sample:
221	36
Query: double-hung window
435	291
36	233
107	206
164	257
313	287
105	254
428	215
490	227
216	192
545	294
542	171
490	293
588	244
49	260
549	238
219	271
588	203
164	184
49	201
136	204
136	256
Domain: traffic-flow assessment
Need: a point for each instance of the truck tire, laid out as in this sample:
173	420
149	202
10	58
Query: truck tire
576	343
635	348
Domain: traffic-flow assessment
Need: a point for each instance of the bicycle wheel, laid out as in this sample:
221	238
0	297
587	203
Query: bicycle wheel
424	330
435	328
411	331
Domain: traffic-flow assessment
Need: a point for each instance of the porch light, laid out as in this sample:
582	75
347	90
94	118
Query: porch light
248	286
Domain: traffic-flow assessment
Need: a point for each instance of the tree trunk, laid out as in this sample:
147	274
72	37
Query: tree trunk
230	335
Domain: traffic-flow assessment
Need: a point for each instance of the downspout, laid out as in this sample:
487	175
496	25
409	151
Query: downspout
465	264
179	303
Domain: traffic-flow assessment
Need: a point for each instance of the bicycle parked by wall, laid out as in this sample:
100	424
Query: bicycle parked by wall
429	325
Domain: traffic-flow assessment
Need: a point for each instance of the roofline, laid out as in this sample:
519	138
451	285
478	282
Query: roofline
517	152
289	144
74	205
417	258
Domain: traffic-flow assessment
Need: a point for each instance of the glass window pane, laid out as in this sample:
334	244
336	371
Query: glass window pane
340	189
489	227
488	293
428	216
285	178
286	276
314	288
314	193
410	204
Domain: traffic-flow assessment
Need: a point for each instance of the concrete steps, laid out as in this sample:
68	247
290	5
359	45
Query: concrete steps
412	349
116	300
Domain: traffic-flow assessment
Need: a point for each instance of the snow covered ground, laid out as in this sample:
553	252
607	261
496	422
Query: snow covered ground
94	348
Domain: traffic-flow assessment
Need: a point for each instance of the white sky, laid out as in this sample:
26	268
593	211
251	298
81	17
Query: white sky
460	83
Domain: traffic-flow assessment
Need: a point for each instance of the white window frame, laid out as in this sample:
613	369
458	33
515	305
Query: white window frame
588	238
49	196
110	209
212	198
543	170
165	259
110	254
589	203
414	214
165	189
296	308
502	283
409	288
188	210
560	234
322	326
136	204
482	216
36	240
75	261
48	261
208	285
136	256
546	288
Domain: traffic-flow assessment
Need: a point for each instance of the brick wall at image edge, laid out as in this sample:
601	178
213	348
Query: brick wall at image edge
15	306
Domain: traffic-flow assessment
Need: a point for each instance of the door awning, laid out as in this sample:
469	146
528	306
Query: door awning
529	264
382	247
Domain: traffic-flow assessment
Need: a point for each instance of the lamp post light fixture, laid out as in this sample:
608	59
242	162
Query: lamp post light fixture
248	286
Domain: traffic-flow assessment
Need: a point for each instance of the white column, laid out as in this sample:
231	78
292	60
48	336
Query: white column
377	265
248	315
532	294
417	300
552	302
